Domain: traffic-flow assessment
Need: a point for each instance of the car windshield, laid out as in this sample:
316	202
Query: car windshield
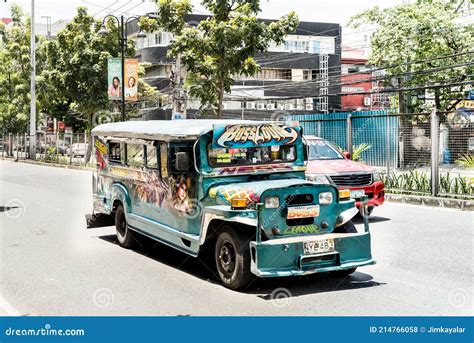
249	156
319	149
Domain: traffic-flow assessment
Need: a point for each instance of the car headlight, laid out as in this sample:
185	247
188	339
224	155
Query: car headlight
272	202
318	178
325	198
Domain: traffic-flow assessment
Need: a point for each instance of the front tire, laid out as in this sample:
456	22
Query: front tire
232	256
124	235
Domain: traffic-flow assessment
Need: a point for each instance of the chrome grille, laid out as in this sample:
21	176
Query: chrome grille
349	180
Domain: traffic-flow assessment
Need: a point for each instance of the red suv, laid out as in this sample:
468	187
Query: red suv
327	164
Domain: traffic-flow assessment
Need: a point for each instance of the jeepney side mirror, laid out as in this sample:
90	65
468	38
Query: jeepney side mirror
182	161
347	154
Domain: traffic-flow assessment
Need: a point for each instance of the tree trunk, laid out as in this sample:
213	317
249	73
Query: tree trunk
89	145
221	97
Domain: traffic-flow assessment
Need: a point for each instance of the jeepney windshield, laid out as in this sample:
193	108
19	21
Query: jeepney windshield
249	156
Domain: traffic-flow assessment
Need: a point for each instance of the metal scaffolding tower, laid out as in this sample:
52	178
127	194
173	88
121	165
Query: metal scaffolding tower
323	83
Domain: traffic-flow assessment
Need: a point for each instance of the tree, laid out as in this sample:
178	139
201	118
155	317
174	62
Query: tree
421	30
15	72
221	46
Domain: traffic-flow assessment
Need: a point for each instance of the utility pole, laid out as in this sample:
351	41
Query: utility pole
179	95
48	25
32	154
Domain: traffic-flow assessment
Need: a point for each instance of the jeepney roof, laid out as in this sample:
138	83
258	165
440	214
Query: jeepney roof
186	129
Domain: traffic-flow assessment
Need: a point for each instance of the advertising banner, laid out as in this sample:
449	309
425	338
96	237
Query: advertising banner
131	79
114	73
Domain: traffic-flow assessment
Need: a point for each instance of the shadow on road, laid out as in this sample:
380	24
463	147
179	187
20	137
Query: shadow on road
7	208
372	220
203	267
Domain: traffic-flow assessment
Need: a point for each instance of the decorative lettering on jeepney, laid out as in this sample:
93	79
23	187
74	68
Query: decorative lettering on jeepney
293	230
254	135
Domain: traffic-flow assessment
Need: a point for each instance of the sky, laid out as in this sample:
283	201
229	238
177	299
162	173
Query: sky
335	11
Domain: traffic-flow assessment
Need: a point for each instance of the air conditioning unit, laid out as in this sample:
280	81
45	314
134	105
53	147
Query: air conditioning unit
280	106
289	107
367	101
309	107
260	106
250	105
270	107
299	101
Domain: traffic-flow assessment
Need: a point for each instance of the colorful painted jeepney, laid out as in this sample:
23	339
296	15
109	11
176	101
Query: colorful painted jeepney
236	188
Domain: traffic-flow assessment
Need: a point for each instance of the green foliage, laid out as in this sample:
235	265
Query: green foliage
420	30
466	160
358	150
221	46
415	181
15	73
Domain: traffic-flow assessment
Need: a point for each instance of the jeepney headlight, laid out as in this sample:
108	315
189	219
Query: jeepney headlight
318	178
325	198
272	202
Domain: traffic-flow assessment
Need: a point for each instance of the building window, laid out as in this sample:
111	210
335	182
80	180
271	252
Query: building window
306	74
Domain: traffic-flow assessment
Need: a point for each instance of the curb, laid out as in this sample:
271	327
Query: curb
426	200
48	164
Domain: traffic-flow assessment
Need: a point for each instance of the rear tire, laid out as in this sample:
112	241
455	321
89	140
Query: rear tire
348	227
232	256
124	234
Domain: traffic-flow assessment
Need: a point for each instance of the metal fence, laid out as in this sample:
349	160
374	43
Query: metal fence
60	148
401	148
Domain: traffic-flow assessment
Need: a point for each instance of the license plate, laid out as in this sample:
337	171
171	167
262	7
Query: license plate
303	212
357	194
317	247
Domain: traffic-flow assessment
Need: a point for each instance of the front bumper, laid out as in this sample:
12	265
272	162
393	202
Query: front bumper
375	193
286	257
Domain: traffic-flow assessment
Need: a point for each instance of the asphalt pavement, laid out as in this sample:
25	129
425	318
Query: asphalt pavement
52	265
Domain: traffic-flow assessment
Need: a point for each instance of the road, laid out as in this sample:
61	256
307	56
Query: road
52	265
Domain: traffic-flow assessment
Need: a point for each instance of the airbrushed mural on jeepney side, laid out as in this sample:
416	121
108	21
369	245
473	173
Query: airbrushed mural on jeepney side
172	193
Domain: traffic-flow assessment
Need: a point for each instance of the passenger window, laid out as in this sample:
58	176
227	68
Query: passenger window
116	154
151	156
135	155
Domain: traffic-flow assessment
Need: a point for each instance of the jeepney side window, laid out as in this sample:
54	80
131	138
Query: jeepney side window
182	147
151	156
116	152
135	155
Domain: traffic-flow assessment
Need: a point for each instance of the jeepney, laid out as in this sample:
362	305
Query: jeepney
236	188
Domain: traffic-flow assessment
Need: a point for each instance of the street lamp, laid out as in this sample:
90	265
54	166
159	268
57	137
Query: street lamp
122	37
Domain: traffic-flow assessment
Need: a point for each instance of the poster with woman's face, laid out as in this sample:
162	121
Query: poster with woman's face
114	75
131	79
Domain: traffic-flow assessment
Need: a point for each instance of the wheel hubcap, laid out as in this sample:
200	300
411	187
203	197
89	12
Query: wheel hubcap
227	257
